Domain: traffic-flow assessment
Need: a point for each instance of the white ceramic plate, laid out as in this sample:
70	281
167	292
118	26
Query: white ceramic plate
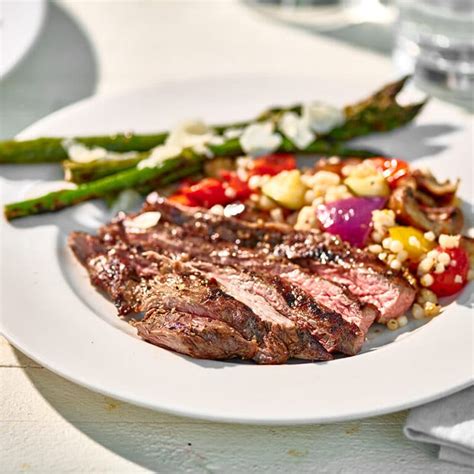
20	23
50	311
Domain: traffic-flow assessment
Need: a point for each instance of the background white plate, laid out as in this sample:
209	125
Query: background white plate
20	24
50	312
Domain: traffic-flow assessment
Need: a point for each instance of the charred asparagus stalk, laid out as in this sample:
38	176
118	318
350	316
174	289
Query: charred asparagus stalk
188	162
110	185
380	112
85	172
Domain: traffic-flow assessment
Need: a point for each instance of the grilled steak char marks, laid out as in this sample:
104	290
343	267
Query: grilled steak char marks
172	295
338	320
361	273
198	337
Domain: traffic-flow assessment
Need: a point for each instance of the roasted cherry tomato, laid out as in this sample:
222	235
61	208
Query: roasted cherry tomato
211	191
272	164
394	170
207	192
181	198
454	277
239	190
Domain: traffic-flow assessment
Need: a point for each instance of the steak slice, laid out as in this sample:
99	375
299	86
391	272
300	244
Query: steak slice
337	319
360	272
156	285
195	336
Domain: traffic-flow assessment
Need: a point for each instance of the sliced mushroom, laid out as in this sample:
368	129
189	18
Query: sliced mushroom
442	192
440	220
468	244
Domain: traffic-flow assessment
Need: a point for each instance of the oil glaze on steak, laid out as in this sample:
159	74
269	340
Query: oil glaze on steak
361	273
141	281
338	319
215	287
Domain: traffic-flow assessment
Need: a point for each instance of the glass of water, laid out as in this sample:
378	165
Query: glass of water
435	41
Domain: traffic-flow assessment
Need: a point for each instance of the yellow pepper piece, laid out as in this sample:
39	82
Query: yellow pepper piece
413	240
287	189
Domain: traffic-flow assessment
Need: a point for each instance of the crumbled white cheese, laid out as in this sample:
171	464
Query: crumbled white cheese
202	149
189	134
296	129
458	279
216	140
80	153
234	209
44	187
160	154
260	139
193	134
232	133
322	118
143	221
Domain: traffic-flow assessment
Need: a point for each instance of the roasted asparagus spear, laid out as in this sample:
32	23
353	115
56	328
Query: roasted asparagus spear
380	112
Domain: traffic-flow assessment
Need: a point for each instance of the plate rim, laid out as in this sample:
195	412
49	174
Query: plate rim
184	412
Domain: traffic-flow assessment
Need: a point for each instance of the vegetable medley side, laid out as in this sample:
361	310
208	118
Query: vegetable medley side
350	198
103	166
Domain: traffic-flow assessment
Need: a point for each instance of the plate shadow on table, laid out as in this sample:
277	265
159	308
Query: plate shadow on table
409	143
61	68
159	441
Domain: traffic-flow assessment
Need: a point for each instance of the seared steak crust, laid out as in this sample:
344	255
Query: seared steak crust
147	282
307	299
363	274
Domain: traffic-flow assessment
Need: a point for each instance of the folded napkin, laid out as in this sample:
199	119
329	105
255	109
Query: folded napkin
448	423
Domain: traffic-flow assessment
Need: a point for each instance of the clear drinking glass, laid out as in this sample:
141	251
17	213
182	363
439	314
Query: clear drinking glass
435	41
323	15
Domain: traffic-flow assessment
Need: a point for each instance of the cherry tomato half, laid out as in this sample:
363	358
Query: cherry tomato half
181	198
211	191
394	170
454	277
272	164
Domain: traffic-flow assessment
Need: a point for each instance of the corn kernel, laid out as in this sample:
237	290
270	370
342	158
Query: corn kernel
309	196
375	248
425	265
417	311
277	215
396	246
429	236
395	264
306	219
427	280
255	182
439	268
387	242
434	254
266	203
449	241
414	242
392	324
377	236
428	296
382	256
431	309
444	258
402	321
402	255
